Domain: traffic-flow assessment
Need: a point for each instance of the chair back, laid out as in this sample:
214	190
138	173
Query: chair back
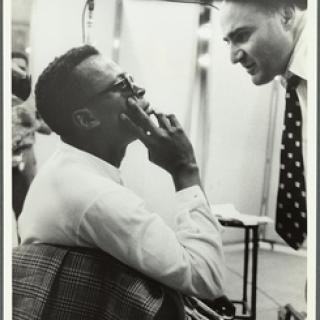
61	283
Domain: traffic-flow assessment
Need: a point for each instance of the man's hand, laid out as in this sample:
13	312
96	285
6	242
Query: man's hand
17	72
21	82
167	144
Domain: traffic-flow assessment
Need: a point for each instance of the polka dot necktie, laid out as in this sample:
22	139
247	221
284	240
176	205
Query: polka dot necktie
291	217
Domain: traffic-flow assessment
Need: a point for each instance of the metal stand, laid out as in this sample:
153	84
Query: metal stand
289	313
248	311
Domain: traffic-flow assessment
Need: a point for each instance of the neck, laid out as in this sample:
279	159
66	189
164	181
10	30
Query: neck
109	153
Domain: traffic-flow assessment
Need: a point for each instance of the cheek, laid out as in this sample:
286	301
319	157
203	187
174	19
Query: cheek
271	57
119	105
112	108
257	50
269	47
119	108
109	117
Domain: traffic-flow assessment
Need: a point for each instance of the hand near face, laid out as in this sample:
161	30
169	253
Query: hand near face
17	71
168	145
21	81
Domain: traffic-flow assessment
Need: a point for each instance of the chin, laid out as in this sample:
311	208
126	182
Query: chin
259	79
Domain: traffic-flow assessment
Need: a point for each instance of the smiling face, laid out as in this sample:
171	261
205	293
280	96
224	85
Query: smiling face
104	89
261	41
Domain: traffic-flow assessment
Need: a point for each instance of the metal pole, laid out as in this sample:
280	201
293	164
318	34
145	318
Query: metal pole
117	30
245	270
255	239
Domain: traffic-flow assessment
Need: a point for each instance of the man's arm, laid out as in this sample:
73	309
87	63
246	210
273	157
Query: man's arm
196	243
188	259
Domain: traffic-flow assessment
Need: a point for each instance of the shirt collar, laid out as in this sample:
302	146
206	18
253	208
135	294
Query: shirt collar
103	167
298	62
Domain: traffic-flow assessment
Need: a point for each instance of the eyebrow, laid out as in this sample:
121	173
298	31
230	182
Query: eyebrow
233	33
120	76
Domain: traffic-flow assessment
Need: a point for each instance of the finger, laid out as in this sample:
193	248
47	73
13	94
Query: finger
140	118
174	121
163	121
136	130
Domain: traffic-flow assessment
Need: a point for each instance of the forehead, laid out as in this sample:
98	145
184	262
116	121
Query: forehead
234	15
95	73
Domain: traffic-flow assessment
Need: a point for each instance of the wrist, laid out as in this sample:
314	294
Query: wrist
186	176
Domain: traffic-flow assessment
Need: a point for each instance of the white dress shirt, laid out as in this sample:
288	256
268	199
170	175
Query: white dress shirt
78	199
298	66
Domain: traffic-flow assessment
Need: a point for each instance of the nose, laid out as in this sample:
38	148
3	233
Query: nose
140	92
236	54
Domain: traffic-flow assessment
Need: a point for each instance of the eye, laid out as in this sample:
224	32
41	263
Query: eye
121	85
242	37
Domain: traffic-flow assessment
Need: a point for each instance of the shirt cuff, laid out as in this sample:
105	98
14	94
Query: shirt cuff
192	194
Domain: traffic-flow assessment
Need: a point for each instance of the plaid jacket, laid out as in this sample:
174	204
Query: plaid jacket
51	282
63	283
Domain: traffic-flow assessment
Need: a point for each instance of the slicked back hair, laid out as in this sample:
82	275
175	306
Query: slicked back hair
274	5
54	97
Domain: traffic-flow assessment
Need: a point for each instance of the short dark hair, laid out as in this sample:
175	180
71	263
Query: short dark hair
275	4
54	98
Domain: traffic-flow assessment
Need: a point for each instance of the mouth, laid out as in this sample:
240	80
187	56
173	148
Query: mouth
147	109
251	68
144	105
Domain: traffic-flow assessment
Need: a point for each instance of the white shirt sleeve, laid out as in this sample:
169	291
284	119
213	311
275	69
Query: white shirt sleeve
189	259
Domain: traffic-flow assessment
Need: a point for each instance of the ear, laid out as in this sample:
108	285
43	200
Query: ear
85	119
288	15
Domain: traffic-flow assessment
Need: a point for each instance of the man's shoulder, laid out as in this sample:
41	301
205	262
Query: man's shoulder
75	174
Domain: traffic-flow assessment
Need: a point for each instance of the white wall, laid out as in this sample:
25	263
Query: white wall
158	47
240	113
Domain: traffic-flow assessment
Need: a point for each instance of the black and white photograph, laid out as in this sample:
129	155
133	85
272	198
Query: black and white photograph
163	159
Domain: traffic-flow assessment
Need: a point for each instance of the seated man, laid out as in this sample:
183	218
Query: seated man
78	198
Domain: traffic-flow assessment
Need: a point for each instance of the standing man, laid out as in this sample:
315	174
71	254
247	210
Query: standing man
268	38
25	123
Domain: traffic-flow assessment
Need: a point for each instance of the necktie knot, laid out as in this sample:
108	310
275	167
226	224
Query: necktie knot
293	82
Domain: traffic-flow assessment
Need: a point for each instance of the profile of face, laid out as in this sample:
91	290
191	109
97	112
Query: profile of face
261	41
104	89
